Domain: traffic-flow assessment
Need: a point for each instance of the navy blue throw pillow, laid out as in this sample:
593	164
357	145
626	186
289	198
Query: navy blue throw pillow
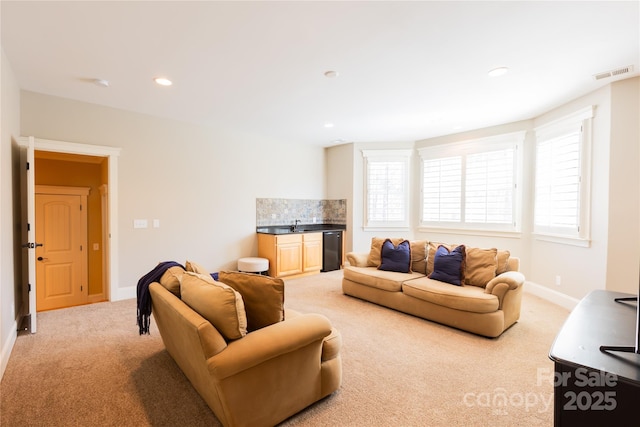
395	258
448	266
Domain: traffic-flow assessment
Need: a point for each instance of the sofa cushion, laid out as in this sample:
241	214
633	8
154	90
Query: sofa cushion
357	259
395	257
502	262
263	297
419	252
171	279
195	267
385	280
480	266
220	304
466	298
376	246
448	266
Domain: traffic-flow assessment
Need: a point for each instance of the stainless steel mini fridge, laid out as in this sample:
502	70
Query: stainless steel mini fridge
331	250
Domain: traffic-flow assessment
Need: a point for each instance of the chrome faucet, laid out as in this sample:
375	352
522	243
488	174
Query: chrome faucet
295	226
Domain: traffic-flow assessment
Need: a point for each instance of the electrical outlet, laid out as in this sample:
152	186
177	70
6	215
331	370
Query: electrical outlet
558	280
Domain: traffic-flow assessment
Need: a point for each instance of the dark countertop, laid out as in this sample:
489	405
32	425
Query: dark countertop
302	228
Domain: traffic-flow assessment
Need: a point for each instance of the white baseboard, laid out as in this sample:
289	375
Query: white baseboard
7	347
551	295
125	293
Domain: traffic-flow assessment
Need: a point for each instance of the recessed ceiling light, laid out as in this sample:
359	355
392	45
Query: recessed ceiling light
328	125
496	72
331	74
163	81
101	82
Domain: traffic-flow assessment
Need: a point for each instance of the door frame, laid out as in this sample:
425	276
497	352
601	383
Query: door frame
111	153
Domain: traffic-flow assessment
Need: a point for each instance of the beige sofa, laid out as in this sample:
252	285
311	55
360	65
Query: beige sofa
487	302
261	377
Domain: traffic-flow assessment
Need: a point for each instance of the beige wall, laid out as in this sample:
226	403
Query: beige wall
201	183
339	178
518	245
612	260
9	278
624	177
361	237
581	269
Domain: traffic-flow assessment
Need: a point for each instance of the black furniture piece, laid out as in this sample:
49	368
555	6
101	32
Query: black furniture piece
596	381
331	250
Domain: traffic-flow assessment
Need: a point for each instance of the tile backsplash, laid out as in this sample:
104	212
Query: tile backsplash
286	211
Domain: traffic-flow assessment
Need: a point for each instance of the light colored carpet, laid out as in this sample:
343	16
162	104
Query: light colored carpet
88	366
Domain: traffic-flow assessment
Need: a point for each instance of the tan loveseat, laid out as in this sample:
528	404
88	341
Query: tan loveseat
260	378
487	302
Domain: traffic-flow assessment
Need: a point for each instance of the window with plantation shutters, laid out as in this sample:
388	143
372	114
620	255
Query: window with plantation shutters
473	184
490	187
387	188
442	189
558	183
562	177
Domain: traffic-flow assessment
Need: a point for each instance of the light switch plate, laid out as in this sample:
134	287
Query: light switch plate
140	223
156	223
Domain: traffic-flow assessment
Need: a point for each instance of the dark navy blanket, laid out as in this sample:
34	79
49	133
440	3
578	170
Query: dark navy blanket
144	298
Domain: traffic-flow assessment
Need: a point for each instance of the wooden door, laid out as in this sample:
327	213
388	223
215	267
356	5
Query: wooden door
61	261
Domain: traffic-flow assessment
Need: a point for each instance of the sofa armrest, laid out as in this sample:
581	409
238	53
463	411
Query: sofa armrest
503	283
268	343
356	259
331	345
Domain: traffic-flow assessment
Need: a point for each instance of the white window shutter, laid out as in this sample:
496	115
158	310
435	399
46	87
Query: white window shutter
472	185
489	187
558	176
442	189
387	188
562	178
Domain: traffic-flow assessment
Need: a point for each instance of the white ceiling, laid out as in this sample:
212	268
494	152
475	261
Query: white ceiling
407	70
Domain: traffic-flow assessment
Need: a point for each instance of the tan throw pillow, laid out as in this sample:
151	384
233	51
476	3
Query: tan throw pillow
263	297
171	279
220	304
195	267
503	262
419	252
480	266
432	248
376	246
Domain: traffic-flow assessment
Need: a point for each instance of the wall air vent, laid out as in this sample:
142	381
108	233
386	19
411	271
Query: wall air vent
613	73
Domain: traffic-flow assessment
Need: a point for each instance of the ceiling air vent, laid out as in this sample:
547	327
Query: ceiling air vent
613	73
